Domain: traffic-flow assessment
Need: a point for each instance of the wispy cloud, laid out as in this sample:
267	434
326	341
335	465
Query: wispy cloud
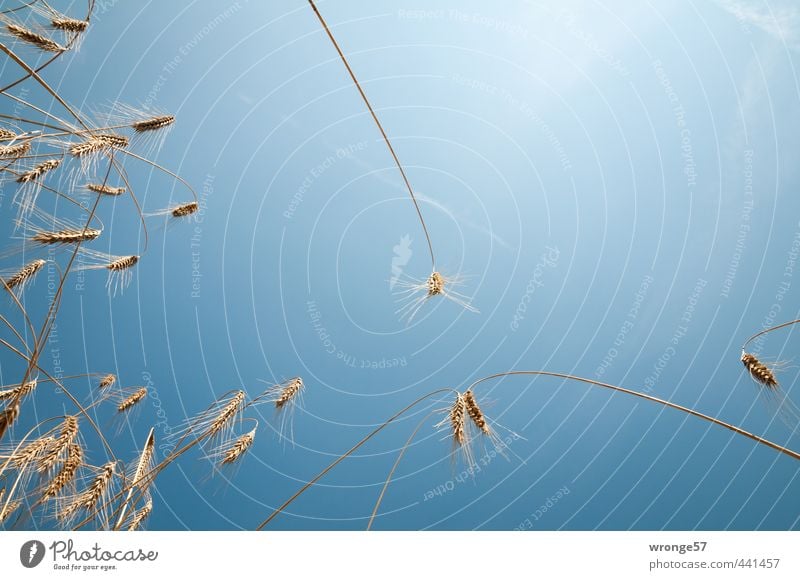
781	20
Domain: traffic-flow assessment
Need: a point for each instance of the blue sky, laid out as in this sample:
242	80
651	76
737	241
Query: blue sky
615	181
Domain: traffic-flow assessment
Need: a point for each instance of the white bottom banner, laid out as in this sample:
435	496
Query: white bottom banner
356	555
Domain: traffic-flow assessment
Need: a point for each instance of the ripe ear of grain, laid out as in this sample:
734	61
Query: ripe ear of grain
457	415
289	392
435	283
238	448
140	516
31	452
18	391
107	381
39	170
33	38
105	189
68	471
68	433
153	123
14	151
69	24
226	414
7	510
25	274
66	236
758	370
122	263
475	412
7	418
132	400
185	209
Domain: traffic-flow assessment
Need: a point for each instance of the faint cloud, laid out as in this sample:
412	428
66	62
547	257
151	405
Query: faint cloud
781	20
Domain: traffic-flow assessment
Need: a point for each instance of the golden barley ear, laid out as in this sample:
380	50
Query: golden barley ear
7	418
776	399
31	453
66	437
33	38
20	391
287	397
17	281
131	400
454	425
97	489
758	370
63	237
107	381
119	268
122	263
226	416
66	24
9	507
105	189
15	151
39	170
475	413
153	123
185	209
68	471
140	516
414	294
141	477
231	452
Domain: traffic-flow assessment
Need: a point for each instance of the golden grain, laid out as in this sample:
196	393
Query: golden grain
238	448
14	151
758	370
130	401
153	124
39	41
105	189
68	236
140	516
39	170
68	471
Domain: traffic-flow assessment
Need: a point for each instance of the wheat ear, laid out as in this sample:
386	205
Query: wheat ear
140	516
758	370
33	38
132	400
105	189
39	170
153	123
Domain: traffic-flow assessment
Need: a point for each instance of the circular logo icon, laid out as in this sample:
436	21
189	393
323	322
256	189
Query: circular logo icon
31	553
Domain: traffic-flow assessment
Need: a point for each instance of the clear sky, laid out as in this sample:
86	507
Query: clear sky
615	181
